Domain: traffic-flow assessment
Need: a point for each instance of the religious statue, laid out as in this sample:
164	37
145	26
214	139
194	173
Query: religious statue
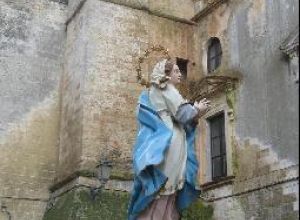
164	159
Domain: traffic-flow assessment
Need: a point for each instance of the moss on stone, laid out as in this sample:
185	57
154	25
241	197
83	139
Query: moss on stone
86	173
78	204
231	98
83	173
121	175
235	162
198	211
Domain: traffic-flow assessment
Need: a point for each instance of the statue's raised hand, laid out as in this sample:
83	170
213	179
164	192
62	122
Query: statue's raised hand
202	106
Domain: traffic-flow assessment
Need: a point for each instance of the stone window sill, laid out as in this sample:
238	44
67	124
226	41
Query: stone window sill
228	180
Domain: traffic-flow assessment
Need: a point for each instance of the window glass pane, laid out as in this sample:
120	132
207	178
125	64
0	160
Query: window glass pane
215	128
223	145
217	167
215	147
218	49
217	61
222	126
224	165
213	64
213	50
214	54
208	66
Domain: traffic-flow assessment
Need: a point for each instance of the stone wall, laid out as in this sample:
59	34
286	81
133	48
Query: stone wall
100	90
275	202
72	110
32	35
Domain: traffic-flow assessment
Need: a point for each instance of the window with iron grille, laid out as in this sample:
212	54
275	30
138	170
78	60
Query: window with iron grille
218	146
214	54
182	65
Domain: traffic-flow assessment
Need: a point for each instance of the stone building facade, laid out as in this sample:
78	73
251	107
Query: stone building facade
69	92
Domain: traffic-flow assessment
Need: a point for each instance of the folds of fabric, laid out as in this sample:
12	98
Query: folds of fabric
163	208
152	140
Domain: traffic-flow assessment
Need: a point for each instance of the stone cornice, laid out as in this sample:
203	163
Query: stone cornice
145	8
131	5
207	9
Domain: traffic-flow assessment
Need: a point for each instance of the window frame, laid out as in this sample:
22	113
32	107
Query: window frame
203	141
218	118
214	61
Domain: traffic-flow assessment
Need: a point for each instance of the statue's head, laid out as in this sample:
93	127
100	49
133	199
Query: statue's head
164	72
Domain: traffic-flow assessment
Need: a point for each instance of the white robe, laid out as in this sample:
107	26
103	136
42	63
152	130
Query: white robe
167	102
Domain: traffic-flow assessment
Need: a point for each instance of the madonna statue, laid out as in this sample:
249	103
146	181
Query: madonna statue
164	160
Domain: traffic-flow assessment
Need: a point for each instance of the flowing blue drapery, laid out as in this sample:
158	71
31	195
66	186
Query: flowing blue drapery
152	141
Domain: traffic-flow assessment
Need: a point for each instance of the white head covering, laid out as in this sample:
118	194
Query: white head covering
164	96
158	76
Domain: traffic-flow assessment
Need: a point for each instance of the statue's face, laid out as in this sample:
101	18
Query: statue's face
175	76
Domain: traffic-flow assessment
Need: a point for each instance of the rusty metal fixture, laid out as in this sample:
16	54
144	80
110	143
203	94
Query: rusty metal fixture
207	87
154	48
103	171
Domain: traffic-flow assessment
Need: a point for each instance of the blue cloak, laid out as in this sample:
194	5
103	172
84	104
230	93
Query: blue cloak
152	141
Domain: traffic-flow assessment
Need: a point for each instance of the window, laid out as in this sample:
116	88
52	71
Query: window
182	64
214	54
218	146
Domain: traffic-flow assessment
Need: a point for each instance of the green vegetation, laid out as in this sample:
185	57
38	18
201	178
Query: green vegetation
198	211
108	205
79	205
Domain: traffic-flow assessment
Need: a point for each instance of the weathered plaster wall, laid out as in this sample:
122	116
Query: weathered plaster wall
268	100
31	49
100	91
264	144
